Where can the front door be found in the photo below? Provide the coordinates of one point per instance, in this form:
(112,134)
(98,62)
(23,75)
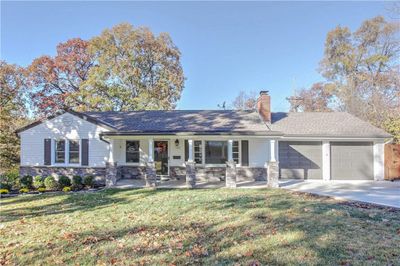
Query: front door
(161,157)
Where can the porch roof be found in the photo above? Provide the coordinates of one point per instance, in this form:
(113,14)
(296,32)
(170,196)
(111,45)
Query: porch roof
(198,133)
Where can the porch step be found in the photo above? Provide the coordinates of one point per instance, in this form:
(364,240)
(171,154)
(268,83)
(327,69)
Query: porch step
(163,178)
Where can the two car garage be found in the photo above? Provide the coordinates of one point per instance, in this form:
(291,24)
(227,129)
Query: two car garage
(348,160)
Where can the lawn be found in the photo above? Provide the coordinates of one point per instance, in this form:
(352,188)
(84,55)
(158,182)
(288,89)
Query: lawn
(204,226)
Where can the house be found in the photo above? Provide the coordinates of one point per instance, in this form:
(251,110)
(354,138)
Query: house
(204,144)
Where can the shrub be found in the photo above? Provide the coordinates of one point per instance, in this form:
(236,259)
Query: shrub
(38,182)
(64,181)
(67,189)
(4,191)
(24,190)
(5,185)
(88,181)
(9,179)
(51,183)
(26,181)
(41,189)
(76,182)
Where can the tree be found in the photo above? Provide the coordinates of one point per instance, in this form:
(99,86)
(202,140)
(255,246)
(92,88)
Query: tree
(364,67)
(134,70)
(54,83)
(245,101)
(11,110)
(392,126)
(363,73)
(318,98)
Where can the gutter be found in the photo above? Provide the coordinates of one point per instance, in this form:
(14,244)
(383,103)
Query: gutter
(204,133)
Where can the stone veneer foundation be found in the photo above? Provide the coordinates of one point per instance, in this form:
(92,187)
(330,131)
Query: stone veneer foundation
(99,173)
(131,172)
(204,174)
(209,174)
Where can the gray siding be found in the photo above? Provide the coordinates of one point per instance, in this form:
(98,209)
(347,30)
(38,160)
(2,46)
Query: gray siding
(300,159)
(352,161)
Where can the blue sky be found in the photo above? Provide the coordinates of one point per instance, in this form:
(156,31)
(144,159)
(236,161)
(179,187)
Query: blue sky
(226,46)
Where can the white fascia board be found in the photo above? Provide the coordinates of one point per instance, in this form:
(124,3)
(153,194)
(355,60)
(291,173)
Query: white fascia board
(195,137)
(332,138)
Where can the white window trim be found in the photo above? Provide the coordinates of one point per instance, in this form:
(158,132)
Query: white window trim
(66,154)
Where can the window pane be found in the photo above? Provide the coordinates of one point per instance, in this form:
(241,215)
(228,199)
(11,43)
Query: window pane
(74,157)
(235,151)
(60,145)
(73,145)
(132,151)
(73,151)
(60,151)
(197,152)
(236,157)
(216,152)
(60,157)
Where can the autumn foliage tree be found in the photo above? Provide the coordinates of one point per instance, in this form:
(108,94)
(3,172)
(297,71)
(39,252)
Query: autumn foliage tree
(317,98)
(123,69)
(363,66)
(134,70)
(54,82)
(12,111)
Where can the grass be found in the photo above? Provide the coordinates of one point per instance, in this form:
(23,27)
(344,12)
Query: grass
(221,226)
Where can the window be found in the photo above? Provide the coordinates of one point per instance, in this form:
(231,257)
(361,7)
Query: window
(132,151)
(198,153)
(216,152)
(235,151)
(74,151)
(60,151)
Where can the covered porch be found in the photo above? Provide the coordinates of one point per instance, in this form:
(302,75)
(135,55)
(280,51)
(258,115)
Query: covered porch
(190,160)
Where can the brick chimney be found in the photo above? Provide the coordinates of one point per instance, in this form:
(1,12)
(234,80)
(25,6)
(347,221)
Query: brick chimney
(264,106)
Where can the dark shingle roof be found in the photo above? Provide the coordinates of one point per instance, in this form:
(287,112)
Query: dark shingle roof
(330,124)
(184,121)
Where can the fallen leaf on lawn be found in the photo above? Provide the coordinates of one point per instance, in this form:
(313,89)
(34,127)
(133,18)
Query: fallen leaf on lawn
(248,253)
(69,236)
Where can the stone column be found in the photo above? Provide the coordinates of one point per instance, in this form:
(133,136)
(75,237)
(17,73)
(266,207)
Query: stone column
(230,177)
(190,174)
(150,176)
(111,174)
(273,174)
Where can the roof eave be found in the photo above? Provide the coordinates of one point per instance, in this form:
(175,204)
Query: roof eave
(385,136)
(191,133)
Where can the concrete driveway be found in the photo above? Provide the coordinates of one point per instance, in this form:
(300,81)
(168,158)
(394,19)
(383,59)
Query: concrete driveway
(378,192)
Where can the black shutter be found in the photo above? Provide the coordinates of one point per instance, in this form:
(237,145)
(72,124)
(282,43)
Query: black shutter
(47,151)
(186,150)
(85,152)
(245,153)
